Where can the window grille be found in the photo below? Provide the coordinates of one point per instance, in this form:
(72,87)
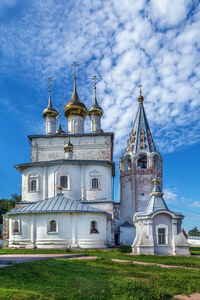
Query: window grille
(95,183)
(93,227)
(33,185)
(52,226)
(161,236)
(64,182)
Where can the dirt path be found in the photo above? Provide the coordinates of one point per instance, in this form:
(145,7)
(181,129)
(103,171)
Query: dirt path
(152,264)
(194,296)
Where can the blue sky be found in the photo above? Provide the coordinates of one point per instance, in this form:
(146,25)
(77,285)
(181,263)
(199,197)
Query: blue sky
(156,43)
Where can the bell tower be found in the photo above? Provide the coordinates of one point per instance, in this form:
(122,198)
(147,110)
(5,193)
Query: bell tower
(139,165)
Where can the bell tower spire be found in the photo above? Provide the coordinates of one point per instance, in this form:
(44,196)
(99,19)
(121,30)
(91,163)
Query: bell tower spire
(139,165)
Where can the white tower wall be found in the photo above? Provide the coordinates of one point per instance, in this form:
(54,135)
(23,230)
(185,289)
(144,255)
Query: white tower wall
(75,124)
(50,125)
(95,123)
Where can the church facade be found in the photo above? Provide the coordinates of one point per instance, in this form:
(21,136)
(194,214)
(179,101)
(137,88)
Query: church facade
(67,188)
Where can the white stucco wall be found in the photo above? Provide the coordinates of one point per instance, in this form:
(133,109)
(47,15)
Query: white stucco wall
(163,220)
(127,235)
(194,241)
(80,176)
(87,147)
(73,230)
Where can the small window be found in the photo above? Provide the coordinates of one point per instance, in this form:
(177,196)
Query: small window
(16,227)
(33,185)
(93,227)
(95,183)
(127,163)
(52,227)
(64,182)
(161,236)
(33,182)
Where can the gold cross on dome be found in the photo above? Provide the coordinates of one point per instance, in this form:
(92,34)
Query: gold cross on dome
(140,87)
(75,65)
(95,79)
(50,84)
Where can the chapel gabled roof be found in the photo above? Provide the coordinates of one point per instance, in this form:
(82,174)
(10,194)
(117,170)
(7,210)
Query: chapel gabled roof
(141,137)
(57,204)
(156,202)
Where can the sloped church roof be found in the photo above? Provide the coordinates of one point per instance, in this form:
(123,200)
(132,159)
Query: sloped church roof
(58,204)
(156,202)
(141,137)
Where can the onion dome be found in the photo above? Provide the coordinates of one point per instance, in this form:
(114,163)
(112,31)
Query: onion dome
(95,109)
(69,146)
(59,131)
(75,106)
(49,111)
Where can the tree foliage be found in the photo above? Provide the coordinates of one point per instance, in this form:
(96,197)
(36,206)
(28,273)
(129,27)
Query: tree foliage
(194,232)
(8,204)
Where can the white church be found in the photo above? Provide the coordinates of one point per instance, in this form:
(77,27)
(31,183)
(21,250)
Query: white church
(67,188)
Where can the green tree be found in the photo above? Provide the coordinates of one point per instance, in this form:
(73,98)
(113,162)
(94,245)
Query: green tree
(8,204)
(194,232)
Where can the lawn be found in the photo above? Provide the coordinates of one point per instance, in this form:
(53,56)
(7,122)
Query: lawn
(99,279)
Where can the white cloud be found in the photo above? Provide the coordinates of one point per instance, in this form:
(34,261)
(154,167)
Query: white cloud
(196,204)
(156,44)
(170,195)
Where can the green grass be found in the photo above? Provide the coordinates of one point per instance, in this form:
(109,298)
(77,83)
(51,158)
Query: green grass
(195,250)
(99,279)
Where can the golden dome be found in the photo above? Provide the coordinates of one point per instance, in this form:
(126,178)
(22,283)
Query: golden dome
(95,109)
(75,106)
(156,181)
(69,147)
(49,111)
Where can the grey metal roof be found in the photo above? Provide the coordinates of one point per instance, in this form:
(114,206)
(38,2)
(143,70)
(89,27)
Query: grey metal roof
(141,123)
(21,167)
(30,137)
(58,204)
(156,203)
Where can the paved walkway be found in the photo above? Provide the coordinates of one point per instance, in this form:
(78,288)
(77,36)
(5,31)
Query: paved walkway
(10,259)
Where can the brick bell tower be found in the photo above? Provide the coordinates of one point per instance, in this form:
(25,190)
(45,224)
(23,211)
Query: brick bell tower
(139,165)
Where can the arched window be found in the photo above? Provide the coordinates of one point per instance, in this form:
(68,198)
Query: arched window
(16,227)
(52,227)
(142,161)
(93,227)
(33,185)
(33,182)
(64,182)
(95,183)
(156,163)
(127,163)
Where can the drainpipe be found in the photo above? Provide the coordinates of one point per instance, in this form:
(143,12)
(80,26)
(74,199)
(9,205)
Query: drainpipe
(55,178)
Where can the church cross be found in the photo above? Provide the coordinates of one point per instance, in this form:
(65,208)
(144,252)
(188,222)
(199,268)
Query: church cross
(95,79)
(75,65)
(140,87)
(50,84)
